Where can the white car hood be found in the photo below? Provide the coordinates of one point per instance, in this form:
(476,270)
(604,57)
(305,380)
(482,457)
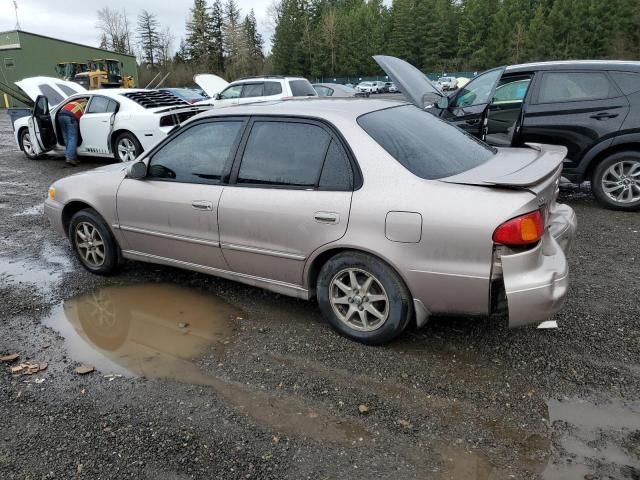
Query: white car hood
(55,89)
(211,84)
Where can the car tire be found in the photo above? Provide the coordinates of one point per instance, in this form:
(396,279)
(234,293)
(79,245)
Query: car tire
(126,147)
(26,145)
(363,298)
(618,175)
(93,242)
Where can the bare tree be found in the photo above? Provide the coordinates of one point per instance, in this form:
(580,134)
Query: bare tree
(329,36)
(165,41)
(114,28)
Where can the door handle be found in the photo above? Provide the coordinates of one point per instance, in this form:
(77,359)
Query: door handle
(326,217)
(604,116)
(202,205)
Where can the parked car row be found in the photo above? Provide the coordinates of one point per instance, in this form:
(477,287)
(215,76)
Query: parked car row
(376,87)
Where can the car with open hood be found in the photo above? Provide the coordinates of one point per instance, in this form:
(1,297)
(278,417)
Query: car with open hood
(590,107)
(120,123)
(382,212)
(252,89)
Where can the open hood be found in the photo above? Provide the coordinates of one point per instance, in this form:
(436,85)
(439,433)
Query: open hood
(55,89)
(211,84)
(412,82)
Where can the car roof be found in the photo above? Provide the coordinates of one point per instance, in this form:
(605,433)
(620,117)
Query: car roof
(576,65)
(330,108)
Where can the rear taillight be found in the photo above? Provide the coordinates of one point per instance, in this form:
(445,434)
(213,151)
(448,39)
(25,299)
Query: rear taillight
(523,230)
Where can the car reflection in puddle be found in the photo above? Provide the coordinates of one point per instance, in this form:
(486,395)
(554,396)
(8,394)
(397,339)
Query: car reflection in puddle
(148,330)
(159,331)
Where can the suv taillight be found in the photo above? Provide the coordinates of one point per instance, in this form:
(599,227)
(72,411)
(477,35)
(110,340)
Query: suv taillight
(523,230)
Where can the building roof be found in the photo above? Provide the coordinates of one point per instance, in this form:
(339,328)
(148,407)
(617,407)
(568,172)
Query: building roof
(65,41)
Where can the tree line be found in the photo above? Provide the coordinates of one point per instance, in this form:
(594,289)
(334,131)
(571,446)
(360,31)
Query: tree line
(338,37)
(219,39)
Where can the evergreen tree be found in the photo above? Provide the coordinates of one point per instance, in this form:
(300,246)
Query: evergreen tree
(216,45)
(148,36)
(198,40)
(254,43)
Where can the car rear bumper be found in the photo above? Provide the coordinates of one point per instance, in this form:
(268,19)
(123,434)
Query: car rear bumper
(536,280)
(53,211)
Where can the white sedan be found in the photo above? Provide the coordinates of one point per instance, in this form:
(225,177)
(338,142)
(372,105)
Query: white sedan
(120,123)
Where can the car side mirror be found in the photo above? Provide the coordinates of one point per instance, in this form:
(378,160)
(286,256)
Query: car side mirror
(218,96)
(137,170)
(443,102)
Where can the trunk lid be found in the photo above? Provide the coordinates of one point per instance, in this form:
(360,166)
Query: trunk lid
(412,82)
(55,89)
(518,168)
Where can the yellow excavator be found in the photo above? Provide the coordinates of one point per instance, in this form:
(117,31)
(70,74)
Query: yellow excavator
(103,73)
(68,70)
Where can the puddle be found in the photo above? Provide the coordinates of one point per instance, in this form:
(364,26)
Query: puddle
(601,440)
(135,331)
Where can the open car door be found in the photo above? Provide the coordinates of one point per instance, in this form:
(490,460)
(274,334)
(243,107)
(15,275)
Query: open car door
(412,82)
(468,107)
(43,137)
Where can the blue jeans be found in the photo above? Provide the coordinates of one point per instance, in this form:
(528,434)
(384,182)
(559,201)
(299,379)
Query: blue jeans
(69,126)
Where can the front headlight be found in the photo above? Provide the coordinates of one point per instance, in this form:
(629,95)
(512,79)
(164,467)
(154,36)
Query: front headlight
(52,193)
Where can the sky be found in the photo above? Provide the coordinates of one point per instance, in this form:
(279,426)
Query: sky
(75,20)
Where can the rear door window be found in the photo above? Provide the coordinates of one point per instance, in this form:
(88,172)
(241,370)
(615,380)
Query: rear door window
(251,90)
(301,88)
(284,153)
(100,104)
(272,88)
(425,145)
(557,87)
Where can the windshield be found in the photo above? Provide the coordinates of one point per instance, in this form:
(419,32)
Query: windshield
(425,145)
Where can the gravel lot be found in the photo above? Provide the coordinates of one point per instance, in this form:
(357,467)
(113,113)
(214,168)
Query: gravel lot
(199,377)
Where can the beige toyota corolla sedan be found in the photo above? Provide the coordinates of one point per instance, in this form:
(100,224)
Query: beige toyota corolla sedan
(381,211)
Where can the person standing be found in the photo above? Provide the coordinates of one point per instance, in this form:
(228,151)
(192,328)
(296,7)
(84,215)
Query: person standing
(69,117)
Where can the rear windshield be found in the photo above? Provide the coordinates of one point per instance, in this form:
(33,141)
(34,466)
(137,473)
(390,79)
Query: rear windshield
(425,145)
(302,88)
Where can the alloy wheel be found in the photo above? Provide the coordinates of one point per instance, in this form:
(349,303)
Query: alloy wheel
(621,181)
(27,145)
(89,244)
(359,300)
(126,149)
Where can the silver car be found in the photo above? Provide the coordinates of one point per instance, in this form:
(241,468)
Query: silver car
(382,212)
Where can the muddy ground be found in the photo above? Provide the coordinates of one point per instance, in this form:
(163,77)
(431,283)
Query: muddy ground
(198,377)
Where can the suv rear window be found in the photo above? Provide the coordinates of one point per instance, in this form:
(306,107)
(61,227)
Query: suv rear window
(302,88)
(574,86)
(272,88)
(424,144)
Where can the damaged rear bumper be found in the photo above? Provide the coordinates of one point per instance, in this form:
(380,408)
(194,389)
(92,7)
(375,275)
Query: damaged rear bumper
(536,280)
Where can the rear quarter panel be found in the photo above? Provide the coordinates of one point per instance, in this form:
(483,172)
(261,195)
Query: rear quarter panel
(450,267)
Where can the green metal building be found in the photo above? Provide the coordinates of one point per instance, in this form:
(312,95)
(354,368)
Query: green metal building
(24,54)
